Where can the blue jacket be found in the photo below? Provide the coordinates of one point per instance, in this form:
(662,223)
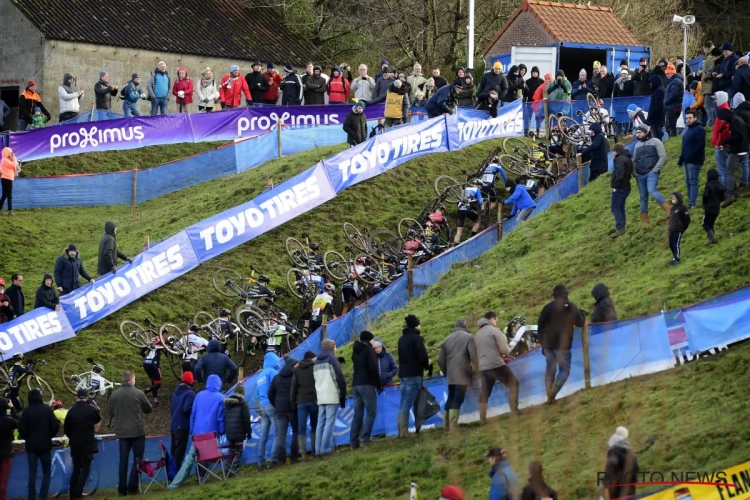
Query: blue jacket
(504,482)
(266,375)
(438,103)
(521,200)
(656,113)
(597,150)
(388,366)
(693,145)
(208,409)
(474,194)
(215,363)
(182,407)
(740,82)
(578,93)
(727,72)
(67,272)
(674,92)
(132,93)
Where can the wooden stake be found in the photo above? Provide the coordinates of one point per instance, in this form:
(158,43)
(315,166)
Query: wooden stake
(499,221)
(410,276)
(278,135)
(579,163)
(586,359)
(135,189)
(324,327)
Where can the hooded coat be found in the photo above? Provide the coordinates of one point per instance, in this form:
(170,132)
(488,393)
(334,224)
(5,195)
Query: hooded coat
(67,272)
(208,409)
(559,90)
(280,390)
(237,418)
(184,85)
(457,354)
(713,192)
(316,89)
(303,384)
(355,127)
(46,296)
(656,115)
(68,95)
(181,408)
(466,95)
(622,172)
(741,81)
(8,424)
(388,366)
(532,84)
(621,467)
(515,83)
(721,128)
(598,150)
(679,216)
(604,308)
(330,384)
(215,362)
(38,424)
(556,323)
(8,167)
(738,138)
(366,365)
(338,88)
(266,375)
(108,252)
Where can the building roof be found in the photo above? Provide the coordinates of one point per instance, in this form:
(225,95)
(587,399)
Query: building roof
(572,23)
(214,28)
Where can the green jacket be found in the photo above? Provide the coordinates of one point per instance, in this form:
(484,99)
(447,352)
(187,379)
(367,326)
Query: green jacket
(559,91)
(706,80)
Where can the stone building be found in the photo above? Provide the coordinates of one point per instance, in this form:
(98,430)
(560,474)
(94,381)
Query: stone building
(41,40)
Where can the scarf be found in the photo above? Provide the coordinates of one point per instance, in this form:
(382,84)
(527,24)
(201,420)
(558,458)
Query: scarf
(621,82)
(206,83)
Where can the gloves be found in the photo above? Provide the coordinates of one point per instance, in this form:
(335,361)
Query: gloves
(114,270)
(342,403)
(130,261)
(181,93)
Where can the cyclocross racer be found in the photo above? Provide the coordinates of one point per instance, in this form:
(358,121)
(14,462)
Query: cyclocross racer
(468,206)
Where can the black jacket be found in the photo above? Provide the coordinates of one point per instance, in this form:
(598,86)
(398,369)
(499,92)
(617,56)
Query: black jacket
(38,424)
(738,130)
(237,418)
(490,81)
(743,111)
(8,424)
(108,252)
(412,354)
(605,86)
(531,85)
(26,109)
(291,88)
(597,149)
(556,323)
(623,171)
(656,115)
(366,365)
(355,127)
(316,89)
(215,363)
(46,296)
(67,271)
(79,426)
(713,193)
(303,384)
(741,81)
(622,464)
(104,94)
(679,216)
(604,309)
(641,82)
(515,83)
(279,394)
(17,300)
(258,84)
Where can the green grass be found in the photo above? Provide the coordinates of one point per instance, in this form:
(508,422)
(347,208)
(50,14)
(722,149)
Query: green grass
(115,161)
(695,415)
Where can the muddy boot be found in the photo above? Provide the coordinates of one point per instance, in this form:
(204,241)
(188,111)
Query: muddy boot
(644,218)
(312,444)
(302,442)
(447,420)
(711,237)
(483,413)
(665,206)
(403,425)
(453,418)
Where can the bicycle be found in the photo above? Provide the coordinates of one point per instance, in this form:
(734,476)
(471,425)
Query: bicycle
(262,325)
(75,376)
(230,283)
(136,335)
(300,254)
(212,327)
(341,268)
(62,469)
(33,381)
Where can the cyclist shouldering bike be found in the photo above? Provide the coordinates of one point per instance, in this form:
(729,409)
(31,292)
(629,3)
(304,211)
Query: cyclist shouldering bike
(16,374)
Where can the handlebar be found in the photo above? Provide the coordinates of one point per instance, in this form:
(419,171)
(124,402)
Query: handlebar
(186,319)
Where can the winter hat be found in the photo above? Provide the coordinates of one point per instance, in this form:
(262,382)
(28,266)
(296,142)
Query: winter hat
(597,64)
(663,62)
(461,323)
(400,74)
(32,83)
(233,68)
(451,493)
(102,74)
(309,355)
(366,336)
(384,62)
(624,71)
(582,73)
(721,97)
(317,68)
(670,69)
(738,99)
(361,104)
(726,46)
(187,377)
(620,436)
(240,389)
(378,343)
(694,85)
(633,110)
(288,68)
(397,84)
(624,62)
(412,321)
(383,71)
(72,248)
(160,63)
(642,128)
(561,73)
(560,291)
(270,65)
(134,76)
(290,360)
(82,393)
(498,65)
(37,109)
(460,68)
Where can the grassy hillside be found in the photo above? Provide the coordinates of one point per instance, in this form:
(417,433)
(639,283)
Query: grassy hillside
(114,161)
(678,421)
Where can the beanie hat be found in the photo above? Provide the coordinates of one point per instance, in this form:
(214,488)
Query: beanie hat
(32,83)
(386,70)
(620,435)
(37,109)
(726,46)
(361,104)
(317,68)
(694,85)
(560,291)
(642,128)
(134,76)
(290,360)
(384,62)
(582,73)
(412,321)
(233,68)
(270,65)
(721,97)
(72,248)
(461,323)
(160,63)
(451,493)
(240,389)
(309,355)
(624,62)
(288,68)
(498,65)
(102,74)
(378,343)
(366,336)
(561,73)
(187,377)
(670,69)
(597,64)
(738,99)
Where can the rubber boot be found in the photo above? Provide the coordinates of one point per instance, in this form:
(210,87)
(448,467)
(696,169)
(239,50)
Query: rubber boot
(483,413)
(312,444)
(403,425)
(666,207)
(711,237)
(453,418)
(302,441)
(447,420)
(644,218)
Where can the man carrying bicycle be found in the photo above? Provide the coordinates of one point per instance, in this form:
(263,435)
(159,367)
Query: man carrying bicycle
(260,289)
(15,375)
(489,176)
(194,344)
(151,361)
(469,206)
(414,243)
(434,223)
(323,304)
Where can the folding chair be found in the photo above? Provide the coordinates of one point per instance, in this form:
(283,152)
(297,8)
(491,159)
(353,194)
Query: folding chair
(151,469)
(233,452)
(209,457)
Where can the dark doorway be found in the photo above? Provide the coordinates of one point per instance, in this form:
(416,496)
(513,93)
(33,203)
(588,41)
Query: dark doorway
(10,95)
(572,61)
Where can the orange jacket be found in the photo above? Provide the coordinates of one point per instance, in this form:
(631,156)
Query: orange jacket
(7,166)
(699,98)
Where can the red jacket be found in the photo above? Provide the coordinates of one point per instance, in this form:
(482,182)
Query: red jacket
(338,90)
(230,92)
(721,129)
(274,79)
(185,85)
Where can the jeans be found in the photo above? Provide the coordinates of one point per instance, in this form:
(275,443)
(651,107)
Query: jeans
(618,208)
(5,464)
(410,387)
(456,395)
(709,104)
(524,214)
(647,185)
(672,117)
(79,475)
(722,157)
(66,116)
(159,104)
(130,110)
(732,164)
(326,422)
(365,397)
(179,446)
(745,170)
(22,124)
(692,171)
(267,420)
(303,411)
(283,421)
(558,368)
(46,460)
(505,376)
(675,237)
(137,444)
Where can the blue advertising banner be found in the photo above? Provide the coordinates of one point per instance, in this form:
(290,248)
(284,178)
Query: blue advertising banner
(718,322)
(477,126)
(286,201)
(33,330)
(386,151)
(150,270)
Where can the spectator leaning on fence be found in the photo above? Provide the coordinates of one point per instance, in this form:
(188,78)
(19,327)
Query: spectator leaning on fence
(256,82)
(315,87)
(27,102)
(183,90)
(131,94)
(70,98)
(46,295)
(158,89)
(417,80)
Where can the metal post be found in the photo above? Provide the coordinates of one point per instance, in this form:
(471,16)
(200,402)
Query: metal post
(579,163)
(586,360)
(324,327)
(470,27)
(546,115)
(684,54)
(410,276)
(135,189)
(499,221)
(278,132)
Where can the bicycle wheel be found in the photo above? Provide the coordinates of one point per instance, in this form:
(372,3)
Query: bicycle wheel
(171,338)
(4,379)
(511,143)
(388,243)
(297,252)
(592,103)
(228,282)
(175,364)
(292,276)
(250,321)
(355,237)
(73,374)
(406,225)
(513,165)
(34,381)
(240,353)
(448,188)
(372,272)
(571,130)
(336,265)
(207,325)
(134,334)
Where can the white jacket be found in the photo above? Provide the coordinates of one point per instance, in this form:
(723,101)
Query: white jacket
(210,92)
(68,102)
(363,89)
